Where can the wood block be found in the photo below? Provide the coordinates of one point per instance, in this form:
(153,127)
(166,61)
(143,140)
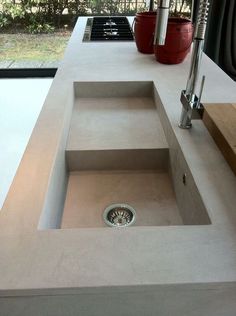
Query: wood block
(220,120)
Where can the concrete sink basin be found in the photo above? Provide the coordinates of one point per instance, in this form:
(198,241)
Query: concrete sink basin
(117,151)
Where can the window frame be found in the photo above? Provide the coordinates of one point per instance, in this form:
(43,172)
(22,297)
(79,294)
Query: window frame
(27,72)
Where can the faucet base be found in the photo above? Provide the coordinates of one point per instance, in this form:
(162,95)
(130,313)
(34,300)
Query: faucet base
(192,110)
(185,120)
(183,126)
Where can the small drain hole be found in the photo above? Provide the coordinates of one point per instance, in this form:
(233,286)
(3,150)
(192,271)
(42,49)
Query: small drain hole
(119,215)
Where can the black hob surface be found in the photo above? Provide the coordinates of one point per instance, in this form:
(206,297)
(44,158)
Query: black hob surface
(111,29)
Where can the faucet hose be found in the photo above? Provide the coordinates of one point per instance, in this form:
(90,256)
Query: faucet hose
(197,49)
(202,19)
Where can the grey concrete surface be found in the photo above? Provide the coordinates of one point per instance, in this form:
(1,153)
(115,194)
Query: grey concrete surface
(39,265)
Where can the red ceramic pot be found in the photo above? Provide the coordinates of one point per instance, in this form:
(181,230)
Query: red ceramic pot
(144,28)
(179,37)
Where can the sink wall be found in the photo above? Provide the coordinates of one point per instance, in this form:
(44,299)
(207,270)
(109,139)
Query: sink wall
(52,211)
(191,206)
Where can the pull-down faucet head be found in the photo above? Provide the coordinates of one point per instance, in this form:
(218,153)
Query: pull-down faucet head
(161,22)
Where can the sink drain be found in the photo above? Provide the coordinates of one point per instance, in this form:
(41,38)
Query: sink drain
(119,215)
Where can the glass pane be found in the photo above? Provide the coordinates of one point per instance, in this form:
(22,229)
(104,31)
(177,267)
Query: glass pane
(34,34)
(22,50)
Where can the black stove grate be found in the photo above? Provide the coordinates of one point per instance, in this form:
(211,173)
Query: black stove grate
(111,29)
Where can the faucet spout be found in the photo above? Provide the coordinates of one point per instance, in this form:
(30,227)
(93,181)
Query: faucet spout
(161,22)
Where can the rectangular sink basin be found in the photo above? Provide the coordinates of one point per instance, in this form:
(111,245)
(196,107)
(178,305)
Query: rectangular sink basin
(115,116)
(118,153)
(149,192)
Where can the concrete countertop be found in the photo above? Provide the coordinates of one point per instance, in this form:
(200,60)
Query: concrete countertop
(80,261)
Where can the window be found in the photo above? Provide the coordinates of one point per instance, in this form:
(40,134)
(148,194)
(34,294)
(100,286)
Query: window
(34,33)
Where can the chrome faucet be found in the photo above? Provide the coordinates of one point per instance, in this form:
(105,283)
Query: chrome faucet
(192,107)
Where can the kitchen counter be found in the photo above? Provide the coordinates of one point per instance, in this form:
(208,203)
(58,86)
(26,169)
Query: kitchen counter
(174,270)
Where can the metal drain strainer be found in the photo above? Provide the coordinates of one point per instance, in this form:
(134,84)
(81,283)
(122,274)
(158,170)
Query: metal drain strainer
(119,215)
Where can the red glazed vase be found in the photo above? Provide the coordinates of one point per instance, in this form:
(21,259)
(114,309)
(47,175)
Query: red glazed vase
(178,41)
(144,28)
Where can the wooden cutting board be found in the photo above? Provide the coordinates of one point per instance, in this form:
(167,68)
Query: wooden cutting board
(220,120)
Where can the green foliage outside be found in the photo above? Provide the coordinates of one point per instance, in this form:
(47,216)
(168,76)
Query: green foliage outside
(116,7)
(33,47)
(180,7)
(44,16)
(39,16)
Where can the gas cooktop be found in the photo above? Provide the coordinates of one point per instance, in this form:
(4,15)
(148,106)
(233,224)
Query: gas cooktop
(108,28)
